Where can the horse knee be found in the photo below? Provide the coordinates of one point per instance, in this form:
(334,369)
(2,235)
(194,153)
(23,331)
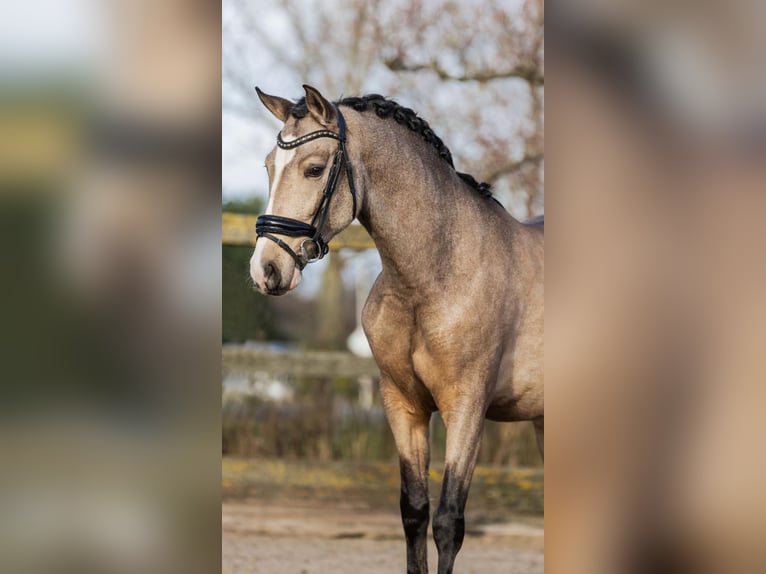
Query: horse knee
(415,515)
(449,529)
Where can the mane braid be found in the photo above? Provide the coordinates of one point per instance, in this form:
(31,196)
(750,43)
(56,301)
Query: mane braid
(406,117)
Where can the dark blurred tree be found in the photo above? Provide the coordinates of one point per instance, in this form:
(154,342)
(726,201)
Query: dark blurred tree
(252,205)
(331,328)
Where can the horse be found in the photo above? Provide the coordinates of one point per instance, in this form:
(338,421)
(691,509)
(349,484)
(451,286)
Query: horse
(455,318)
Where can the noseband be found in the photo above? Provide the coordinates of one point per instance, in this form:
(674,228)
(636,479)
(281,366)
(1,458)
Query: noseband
(268,225)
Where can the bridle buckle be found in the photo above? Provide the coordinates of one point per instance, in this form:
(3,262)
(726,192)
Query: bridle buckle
(304,252)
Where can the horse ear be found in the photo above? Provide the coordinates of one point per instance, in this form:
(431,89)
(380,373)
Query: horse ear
(319,108)
(280,107)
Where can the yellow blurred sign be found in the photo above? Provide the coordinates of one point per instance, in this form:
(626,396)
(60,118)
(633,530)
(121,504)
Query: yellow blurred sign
(37,143)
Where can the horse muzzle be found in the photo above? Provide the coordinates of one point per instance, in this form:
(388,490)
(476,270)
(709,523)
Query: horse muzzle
(273,276)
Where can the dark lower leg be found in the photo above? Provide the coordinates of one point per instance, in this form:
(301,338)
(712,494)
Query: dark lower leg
(415,515)
(463,436)
(449,521)
(410,430)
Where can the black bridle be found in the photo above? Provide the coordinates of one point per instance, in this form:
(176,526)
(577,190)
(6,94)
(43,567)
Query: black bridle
(268,225)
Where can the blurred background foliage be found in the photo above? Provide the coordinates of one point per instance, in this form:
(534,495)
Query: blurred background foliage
(245,316)
(323,424)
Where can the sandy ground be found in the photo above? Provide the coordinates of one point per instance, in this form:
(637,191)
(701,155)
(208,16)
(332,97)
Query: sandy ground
(302,538)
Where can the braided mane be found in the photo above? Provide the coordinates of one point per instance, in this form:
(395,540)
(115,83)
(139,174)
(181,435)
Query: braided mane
(406,117)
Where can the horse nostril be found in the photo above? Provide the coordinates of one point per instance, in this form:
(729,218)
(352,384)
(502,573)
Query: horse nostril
(272,275)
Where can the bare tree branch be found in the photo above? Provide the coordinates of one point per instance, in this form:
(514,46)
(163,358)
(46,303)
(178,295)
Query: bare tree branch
(340,49)
(523,71)
(510,167)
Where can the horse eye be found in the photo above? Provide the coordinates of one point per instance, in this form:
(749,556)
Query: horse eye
(314,171)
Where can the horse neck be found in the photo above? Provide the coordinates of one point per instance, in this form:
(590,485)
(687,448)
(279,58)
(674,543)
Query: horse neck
(415,204)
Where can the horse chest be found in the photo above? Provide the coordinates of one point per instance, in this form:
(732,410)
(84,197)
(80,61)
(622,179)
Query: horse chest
(431,353)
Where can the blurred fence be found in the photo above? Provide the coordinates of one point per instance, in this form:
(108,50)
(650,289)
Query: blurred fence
(325,406)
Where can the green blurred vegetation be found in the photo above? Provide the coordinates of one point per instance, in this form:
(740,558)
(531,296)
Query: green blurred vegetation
(248,206)
(324,422)
(246,315)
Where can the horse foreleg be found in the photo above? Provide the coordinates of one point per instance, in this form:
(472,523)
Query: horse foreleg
(464,428)
(410,429)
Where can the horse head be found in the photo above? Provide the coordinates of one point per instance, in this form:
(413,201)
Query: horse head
(312,195)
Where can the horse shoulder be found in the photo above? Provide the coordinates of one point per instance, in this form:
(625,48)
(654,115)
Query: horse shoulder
(388,322)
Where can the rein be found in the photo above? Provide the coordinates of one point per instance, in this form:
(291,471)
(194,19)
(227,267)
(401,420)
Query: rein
(269,225)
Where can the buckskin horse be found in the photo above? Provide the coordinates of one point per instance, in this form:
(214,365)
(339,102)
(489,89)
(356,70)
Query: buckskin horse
(455,318)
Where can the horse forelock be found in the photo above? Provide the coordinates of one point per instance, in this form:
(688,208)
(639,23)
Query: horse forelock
(404,116)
